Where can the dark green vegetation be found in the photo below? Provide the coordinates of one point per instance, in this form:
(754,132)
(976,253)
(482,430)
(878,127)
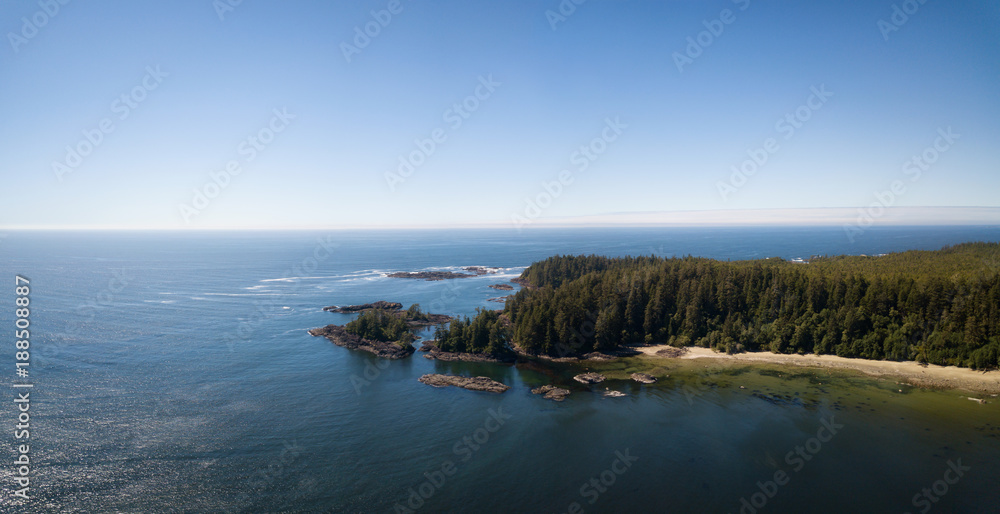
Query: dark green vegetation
(485,333)
(387,325)
(941,307)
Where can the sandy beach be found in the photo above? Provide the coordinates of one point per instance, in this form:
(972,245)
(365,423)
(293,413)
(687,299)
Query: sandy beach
(949,377)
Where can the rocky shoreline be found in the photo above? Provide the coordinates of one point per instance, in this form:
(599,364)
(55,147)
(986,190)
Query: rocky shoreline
(433,352)
(471,383)
(502,287)
(339,336)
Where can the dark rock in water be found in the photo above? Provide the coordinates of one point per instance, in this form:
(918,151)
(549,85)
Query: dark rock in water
(474,271)
(503,287)
(614,394)
(501,299)
(339,336)
(643,378)
(470,383)
(351,309)
(784,400)
(481,270)
(589,378)
(550,392)
(430,275)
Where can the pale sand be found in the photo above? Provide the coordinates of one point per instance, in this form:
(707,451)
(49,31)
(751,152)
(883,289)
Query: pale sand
(949,377)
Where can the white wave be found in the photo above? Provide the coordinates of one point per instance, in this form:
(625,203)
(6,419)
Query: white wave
(245,294)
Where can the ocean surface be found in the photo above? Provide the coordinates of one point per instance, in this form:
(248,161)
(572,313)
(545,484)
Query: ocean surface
(172,372)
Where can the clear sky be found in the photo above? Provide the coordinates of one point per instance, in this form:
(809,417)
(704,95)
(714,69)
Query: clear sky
(331,113)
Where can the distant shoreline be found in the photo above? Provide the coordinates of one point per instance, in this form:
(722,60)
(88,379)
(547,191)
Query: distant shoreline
(931,376)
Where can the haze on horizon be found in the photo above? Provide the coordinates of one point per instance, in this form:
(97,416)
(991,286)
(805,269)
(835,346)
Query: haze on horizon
(223,114)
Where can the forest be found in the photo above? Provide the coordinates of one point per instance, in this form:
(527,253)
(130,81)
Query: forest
(389,326)
(940,307)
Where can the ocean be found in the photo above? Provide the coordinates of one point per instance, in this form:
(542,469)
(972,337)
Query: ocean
(172,372)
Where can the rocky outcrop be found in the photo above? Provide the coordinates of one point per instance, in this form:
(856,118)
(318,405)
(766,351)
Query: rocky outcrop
(473,271)
(351,309)
(614,394)
(502,287)
(672,352)
(589,378)
(550,392)
(470,383)
(430,275)
(481,270)
(339,336)
(643,378)
(522,282)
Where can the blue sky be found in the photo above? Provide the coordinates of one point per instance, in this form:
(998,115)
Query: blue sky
(198,85)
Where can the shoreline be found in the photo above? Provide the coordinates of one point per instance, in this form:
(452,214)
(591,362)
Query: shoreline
(931,376)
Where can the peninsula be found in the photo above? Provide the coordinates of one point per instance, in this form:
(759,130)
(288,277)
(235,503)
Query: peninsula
(922,316)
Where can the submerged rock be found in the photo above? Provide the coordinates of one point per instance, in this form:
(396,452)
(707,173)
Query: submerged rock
(551,392)
(614,394)
(470,383)
(643,378)
(589,378)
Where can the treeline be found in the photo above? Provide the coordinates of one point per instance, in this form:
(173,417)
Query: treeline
(386,325)
(485,333)
(939,307)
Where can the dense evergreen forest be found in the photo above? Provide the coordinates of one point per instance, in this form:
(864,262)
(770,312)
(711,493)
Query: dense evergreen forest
(941,307)
(388,326)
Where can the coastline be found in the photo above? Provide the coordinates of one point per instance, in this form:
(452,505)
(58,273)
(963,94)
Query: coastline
(931,376)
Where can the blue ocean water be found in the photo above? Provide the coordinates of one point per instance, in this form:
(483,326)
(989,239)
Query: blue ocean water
(173,373)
